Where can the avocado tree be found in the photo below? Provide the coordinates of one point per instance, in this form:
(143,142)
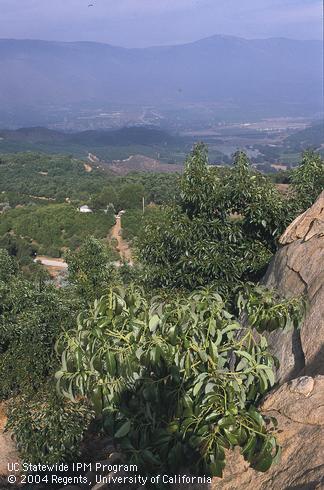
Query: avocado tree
(222,231)
(90,269)
(175,383)
(308,180)
(107,196)
(130,196)
(31,319)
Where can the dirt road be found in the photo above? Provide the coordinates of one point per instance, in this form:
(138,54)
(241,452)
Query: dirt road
(122,246)
(49,262)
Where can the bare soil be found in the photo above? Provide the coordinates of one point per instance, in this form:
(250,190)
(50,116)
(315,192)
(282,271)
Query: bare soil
(122,246)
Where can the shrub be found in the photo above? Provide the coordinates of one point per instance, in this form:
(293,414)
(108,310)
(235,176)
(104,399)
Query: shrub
(30,321)
(308,180)
(223,231)
(48,429)
(8,266)
(90,268)
(175,383)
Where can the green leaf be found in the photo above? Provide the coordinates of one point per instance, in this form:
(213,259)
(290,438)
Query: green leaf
(271,377)
(241,365)
(209,387)
(256,416)
(149,457)
(212,417)
(197,388)
(263,463)
(213,352)
(203,355)
(249,447)
(153,323)
(246,355)
(230,437)
(219,338)
(123,430)
(216,468)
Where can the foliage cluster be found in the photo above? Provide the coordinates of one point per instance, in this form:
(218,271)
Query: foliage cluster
(50,229)
(48,428)
(31,318)
(50,176)
(30,177)
(308,180)
(91,269)
(128,192)
(175,383)
(222,231)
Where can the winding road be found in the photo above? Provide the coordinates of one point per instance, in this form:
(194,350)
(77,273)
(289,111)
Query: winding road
(122,246)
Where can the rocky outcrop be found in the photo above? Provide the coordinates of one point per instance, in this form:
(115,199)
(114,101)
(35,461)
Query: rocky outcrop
(298,269)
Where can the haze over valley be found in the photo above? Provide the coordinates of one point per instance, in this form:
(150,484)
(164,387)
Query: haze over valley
(87,85)
(230,92)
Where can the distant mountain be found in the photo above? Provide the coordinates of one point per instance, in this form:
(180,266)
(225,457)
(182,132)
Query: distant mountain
(263,76)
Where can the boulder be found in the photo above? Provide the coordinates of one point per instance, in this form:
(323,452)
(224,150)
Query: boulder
(298,269)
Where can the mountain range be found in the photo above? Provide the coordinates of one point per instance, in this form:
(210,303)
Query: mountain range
(267,77)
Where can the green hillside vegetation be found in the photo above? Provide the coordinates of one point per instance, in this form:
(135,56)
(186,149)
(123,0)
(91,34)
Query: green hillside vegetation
(53,228)
(154,357)
(107,145)
(49,176)
(24,177)
(311,137)
(36,217)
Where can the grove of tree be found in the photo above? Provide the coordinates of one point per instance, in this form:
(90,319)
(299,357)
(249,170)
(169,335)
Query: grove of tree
(155,356)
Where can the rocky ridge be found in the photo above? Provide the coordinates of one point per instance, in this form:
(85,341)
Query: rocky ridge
(298,269)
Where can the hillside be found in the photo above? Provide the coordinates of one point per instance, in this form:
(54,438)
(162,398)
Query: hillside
(46,81)
(47,177)
(151,363)
(40,196)
(107,145)
(140,163)
(311,137)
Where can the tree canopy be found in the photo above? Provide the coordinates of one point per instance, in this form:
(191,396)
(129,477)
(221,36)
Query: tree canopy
(222,230)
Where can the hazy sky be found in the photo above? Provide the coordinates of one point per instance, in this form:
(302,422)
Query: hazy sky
(149,22)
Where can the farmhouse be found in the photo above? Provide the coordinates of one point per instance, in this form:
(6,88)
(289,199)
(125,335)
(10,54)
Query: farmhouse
(85,209)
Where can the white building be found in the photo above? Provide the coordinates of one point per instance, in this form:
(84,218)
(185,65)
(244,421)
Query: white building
(85,209)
